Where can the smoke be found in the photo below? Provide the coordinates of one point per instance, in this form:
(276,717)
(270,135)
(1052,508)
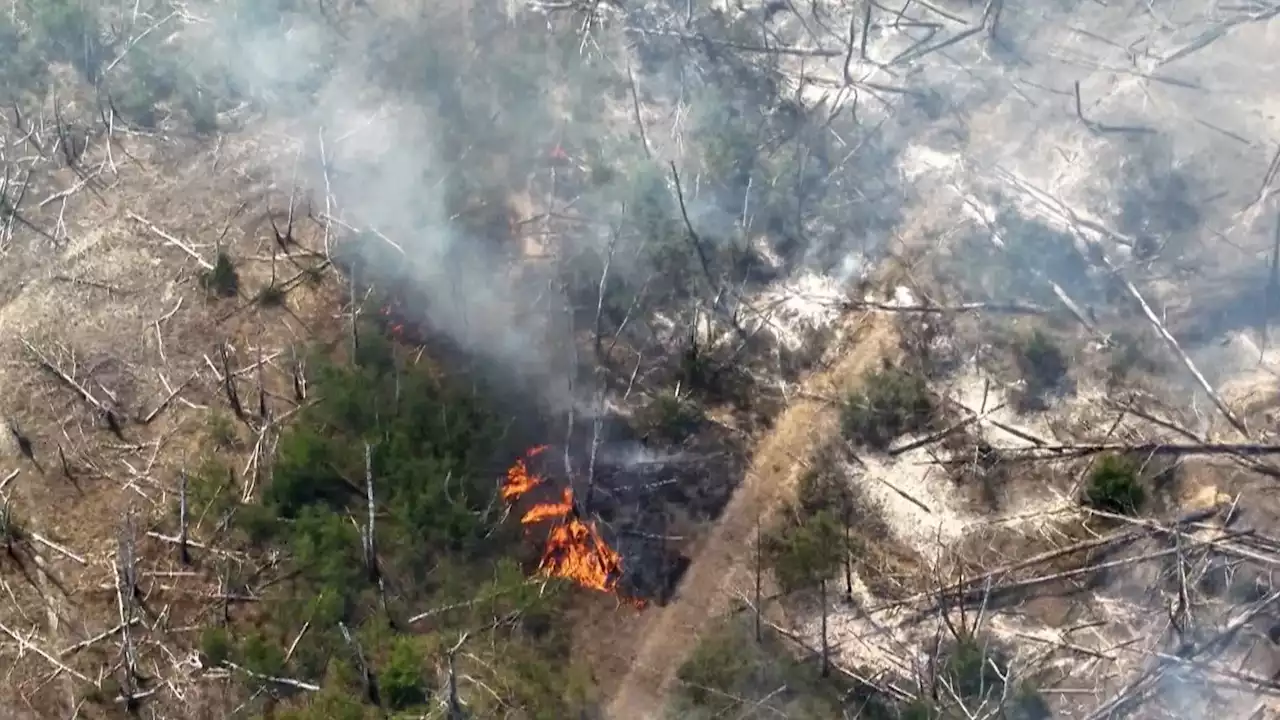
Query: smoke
(428,122)
(493,157)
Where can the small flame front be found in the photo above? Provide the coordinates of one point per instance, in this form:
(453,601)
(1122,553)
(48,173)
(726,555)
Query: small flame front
(574,549)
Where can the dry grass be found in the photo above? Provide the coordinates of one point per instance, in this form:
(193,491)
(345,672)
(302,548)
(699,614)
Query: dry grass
(122,312)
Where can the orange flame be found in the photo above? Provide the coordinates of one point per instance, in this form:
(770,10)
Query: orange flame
(574,550)
(519,480)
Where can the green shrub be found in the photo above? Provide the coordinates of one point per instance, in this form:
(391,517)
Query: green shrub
(890,403)
(259,654)
(258,524)
(977,670)
(804,551)
(341,697)
(223,279)
(671,418)
(1043,368)
(211,494)
(1126,357)
(305,475)
(974,667)
(271,296)
(215,646)
(720,664)
(401,679)
(1115,487)
(327,550)
(222,431)
(733,673)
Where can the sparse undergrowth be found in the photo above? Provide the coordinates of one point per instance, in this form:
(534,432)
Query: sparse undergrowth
(1127,359)
(888,404)
(1115,486)
(972,672)
(1042,367)
(222,279)
(271,296)
(670,418)
(734,672)
(730,673)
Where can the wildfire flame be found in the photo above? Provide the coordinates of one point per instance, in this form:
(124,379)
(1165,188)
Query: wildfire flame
(574,549)
(397,329)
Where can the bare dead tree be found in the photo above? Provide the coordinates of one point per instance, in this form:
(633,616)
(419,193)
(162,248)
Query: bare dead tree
(24,443)
(848,557)
(126,597)
(454,704)
(635,105)
(184,555)
(66,466)
(67,377)
(9,207)
(224,592)
(826,638)
(10,530)
(1124,702)
(229,383)
(263,413)
(600,293)
(714,287)
(597,423)
(571,415)
(370,551)
(366,672)
(285,239)
(848,57)
(694,240)
(866,28)
(759,562)
(299,376)
(1270,296)
(29,134)
(72,147)
(355,312)
(369,538)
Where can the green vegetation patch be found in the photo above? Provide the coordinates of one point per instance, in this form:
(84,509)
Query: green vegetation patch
(671,418)
(222,279)
(731,674)
(1115,486)
(444,565)
(972,671)
(889,403)
(1042,366)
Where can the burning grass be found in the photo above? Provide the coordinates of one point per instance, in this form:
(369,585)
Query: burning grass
(574,549)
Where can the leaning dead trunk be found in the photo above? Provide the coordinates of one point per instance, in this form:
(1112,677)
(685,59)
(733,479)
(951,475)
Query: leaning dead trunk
(848,564)
(759,561)
(184,555)
(826,646)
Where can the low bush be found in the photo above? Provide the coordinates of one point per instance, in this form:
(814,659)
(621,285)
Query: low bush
(1115,487)
(223,279)
(890,403)
(1043,368)
(671,418)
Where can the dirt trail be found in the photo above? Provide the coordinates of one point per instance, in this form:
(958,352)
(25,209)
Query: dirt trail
(721,566)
